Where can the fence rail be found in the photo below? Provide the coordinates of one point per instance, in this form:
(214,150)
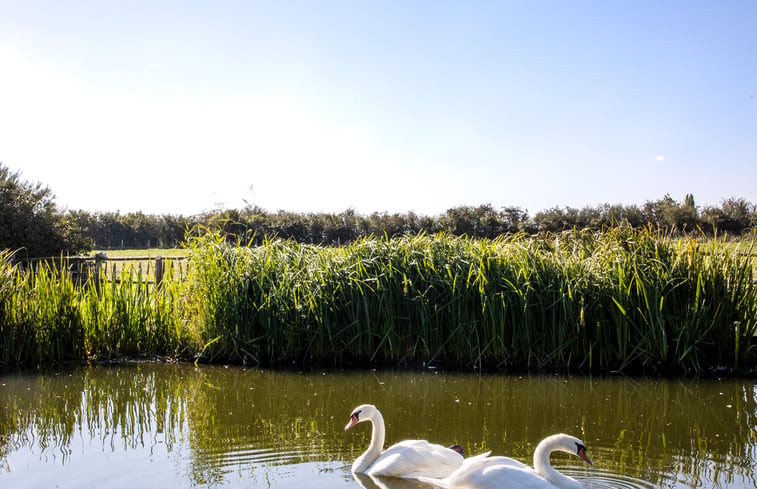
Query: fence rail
(111,268)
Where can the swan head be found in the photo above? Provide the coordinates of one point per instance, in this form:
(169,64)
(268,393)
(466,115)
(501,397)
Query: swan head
(572,445)
(363,412)
(459,449)
(581,452)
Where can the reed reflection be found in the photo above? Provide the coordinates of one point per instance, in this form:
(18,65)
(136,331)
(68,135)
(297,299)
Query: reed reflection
(121,407)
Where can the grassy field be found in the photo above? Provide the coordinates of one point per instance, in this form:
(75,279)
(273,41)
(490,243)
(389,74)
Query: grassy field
(141,261)
(633,301)
(746,245)
(143,252)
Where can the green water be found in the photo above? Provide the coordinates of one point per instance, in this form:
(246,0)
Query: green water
(153,425)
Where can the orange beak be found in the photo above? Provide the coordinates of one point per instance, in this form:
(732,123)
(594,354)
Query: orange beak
(582,454)
(353,422)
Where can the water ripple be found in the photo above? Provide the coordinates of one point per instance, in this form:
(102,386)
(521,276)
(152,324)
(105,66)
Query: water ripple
(254,456)
(601,479)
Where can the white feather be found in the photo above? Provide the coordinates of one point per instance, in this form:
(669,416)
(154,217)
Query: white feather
(499,472)
(407,459)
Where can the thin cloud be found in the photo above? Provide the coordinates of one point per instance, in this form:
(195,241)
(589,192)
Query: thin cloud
(660,157)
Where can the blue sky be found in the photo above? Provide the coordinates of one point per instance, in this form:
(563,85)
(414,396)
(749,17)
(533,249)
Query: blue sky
(183,107)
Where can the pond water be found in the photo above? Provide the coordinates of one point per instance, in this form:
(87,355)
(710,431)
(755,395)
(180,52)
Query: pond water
(158,425)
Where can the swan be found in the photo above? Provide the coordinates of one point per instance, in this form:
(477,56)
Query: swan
(495,472)
(406,459)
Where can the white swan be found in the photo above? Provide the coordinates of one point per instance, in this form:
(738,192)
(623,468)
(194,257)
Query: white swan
(495,472)
(407,459)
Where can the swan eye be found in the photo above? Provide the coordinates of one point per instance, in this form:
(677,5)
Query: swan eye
(580,448)
(356,415)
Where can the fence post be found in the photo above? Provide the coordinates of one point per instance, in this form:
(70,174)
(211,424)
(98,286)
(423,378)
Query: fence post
(100,259)
(158,271)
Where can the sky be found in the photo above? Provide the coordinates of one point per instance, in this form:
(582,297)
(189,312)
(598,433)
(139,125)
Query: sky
(184,107)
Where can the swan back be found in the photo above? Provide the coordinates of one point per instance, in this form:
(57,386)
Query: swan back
(416,458)
(482,472)
(471,466)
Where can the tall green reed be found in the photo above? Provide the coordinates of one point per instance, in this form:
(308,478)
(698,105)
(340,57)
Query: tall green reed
(46,316)
(132,316)
(619,299)
(39,320)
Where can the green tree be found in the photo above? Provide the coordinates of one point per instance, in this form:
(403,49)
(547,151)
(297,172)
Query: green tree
(735,215)
(669,214)
(555,219)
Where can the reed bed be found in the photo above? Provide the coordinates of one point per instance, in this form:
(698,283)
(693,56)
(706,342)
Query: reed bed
(47,317)
(621,300)
(614,300)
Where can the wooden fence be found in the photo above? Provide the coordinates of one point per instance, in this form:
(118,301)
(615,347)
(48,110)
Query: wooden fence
(150,269)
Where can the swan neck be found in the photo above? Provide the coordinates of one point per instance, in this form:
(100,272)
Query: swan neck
(544,468)
(374,449)
(378,433)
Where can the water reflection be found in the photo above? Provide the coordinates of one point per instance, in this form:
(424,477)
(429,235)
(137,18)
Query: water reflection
(213,426)
(371,482)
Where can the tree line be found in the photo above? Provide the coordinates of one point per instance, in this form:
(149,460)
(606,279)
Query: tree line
(31,222)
